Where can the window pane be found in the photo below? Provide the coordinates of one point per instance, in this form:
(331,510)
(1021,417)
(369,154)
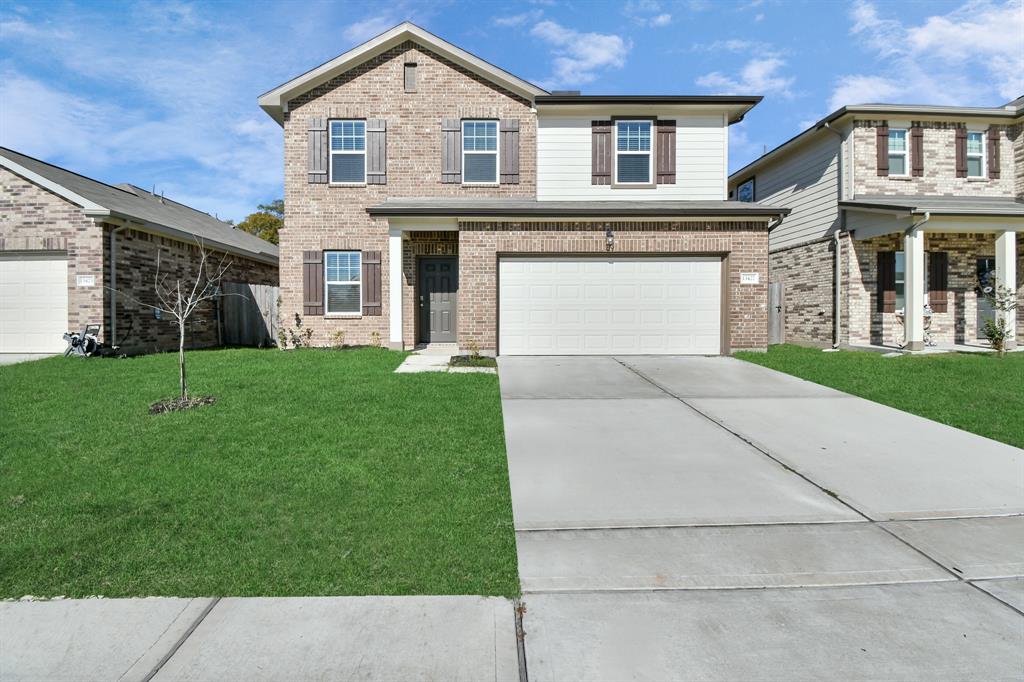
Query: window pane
(343,298)
(634,168)
(481,168)
(900,281)
(348,167)
(897,140)
(633,136)
(480,136)
(974,166)
(349,136)
(898,165)
(342,266)
(974,143)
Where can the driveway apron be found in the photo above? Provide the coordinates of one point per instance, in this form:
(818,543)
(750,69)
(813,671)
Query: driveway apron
(705,518)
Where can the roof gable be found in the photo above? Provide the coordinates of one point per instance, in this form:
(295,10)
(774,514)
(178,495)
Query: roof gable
(275,102)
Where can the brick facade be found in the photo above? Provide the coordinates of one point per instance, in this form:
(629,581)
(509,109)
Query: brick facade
(939,141)
(745,246)
(33,219)
(807,273)
(322,216)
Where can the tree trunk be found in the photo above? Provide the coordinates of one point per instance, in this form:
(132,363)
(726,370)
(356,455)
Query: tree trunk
(181,359)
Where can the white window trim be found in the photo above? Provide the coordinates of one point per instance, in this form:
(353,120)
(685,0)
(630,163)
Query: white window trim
(332,152)
(905,153)
(359,284)
(496,152)
(651,180)
(983,155)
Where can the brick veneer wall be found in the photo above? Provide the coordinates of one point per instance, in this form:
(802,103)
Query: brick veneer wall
(35,219)
(1016,133)
(939,165)
(807,272)
(321,216)
(481,243)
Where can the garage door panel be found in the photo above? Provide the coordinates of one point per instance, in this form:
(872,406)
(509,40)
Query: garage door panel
(33,303)
(609,305)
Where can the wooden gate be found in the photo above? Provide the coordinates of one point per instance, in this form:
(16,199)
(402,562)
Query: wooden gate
(776,313)
(248,314)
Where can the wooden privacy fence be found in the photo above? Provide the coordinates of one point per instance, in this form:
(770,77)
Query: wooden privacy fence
(248,314)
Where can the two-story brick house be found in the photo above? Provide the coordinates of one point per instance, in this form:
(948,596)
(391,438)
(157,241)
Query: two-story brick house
(901,215)
(435,198)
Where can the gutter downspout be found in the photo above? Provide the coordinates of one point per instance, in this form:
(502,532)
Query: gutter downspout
(837,274)
(113,282)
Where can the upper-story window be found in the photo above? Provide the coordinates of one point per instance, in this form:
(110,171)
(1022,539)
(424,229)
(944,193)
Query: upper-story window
(633,159)
(898,152)
(975,155)
(480,152)
(348,152)
(745,191)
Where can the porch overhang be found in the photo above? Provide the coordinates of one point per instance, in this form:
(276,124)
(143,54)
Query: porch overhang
(939,214)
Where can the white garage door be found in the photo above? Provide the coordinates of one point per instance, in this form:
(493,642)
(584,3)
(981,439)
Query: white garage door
(33,303)
(595,306)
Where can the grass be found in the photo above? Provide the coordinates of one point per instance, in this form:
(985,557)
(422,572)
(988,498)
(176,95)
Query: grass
(314,473)
(977,392)
(470,361)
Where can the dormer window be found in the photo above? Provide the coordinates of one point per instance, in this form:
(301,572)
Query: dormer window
(975,154)
(898,152)
(634,163)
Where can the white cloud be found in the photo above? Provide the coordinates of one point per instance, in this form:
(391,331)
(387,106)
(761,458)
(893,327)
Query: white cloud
(361,31)
(736,45)
(578,57)
(646,13)
(519,19)
(758,76)
(662,20)
(971,55)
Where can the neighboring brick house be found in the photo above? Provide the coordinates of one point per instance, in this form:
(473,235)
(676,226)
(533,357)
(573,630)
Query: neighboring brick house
(58,231)
(895,208)
(435,198)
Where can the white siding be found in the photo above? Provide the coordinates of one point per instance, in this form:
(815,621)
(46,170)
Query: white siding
(563,161)
(807,181)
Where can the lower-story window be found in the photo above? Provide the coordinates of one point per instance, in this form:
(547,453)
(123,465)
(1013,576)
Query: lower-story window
(342,282)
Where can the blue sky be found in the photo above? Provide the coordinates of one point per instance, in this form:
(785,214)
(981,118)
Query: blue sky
(164,93)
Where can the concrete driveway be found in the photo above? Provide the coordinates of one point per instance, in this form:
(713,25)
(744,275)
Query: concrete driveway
(650,495)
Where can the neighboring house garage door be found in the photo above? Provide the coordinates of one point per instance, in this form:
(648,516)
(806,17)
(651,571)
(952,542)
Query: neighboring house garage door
(605,305)
(33,303)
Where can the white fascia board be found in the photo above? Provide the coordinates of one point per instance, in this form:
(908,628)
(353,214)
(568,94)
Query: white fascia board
(91,207)
(275,101)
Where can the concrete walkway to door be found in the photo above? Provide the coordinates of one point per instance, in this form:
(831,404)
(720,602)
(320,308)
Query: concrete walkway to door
(649,494)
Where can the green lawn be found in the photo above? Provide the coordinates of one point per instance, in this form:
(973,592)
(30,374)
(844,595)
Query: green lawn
(977,392)
(314,473)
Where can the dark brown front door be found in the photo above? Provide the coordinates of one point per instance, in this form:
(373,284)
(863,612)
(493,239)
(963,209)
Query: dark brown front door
(438,295)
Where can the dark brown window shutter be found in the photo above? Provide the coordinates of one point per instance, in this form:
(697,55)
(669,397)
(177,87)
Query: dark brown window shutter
(451,150)
(317,143)
(509,137)
(600,152)
(882,150)
(886,281)
(961,152)
(665,152)
(917,151)
(376,151)
(938,280)
(993,153)
(312,282)
(371,283)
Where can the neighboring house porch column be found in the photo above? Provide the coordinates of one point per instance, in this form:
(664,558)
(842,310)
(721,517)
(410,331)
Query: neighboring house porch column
(1006,276)
(395,289)
(913,290)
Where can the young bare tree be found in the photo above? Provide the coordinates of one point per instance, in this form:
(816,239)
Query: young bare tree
(179,298)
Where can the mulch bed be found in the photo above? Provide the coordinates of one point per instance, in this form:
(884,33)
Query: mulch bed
(470,361)
(179,404)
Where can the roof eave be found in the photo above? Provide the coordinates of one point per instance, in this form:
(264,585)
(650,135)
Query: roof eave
(740,104)
(190,237)
(583,212)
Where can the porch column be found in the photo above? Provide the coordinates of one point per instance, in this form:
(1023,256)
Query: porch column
(913,289)
(395,289)
(1006,276)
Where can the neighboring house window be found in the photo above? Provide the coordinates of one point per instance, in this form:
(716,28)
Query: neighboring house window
(348,152)
(898,152)
(342,282)
(633,158)
(745,192)
(975,155)
(480,152)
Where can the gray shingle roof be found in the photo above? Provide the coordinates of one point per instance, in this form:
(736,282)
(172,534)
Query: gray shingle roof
(939,205)
(129,201)
(477,207)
